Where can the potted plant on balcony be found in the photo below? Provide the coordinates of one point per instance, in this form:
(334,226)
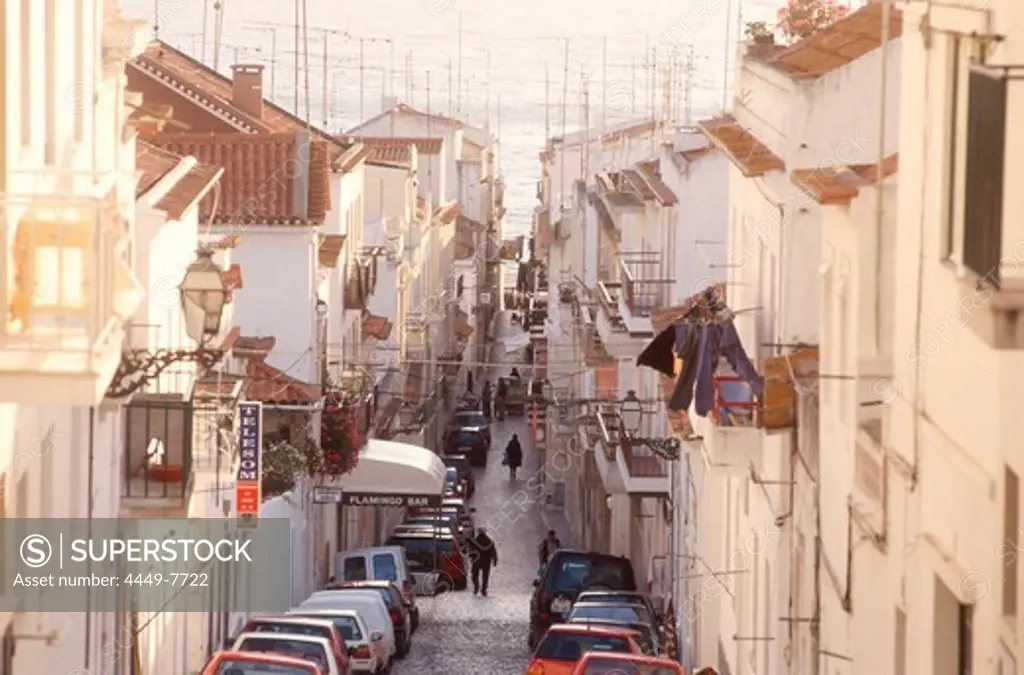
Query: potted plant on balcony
(760,37)
(157,466)
(340,441)
(799,19)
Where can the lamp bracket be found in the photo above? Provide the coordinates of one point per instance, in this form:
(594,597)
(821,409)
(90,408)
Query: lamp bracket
(139,366)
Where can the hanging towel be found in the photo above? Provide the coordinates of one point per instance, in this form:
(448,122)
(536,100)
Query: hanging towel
(688,338)
(658,354)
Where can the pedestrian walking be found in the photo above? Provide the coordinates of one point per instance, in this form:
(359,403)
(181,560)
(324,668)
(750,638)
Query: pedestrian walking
(484,556)
(485,400)
(547,547)
(513,456)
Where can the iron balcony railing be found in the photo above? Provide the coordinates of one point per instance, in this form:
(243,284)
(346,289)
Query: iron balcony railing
(641,461)
(643,294)
(157,462)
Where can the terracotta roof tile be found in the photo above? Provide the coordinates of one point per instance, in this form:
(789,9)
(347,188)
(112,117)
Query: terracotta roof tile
(331,246)
(750,155)
(424,146)
(378,327)
(837,45)
(351,158)
(839,185)
(209,88)
(651,173)
(391,155)
(155,163)
(259,180)
(268,384)
(252,347)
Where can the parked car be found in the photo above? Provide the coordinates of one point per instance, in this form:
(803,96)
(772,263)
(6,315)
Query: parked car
(369,605)
(379,563)
(473,420)
(438,527)
(564,645)
(453,484)
(597,663)
(461,462)
(317,650)
(298,625)
(369,653)
(448,505)
(447,522)
(567,574)
(437,557)
(256,663)
(467,442)
(616,612)
(401,617)
(646,634)
(620,598)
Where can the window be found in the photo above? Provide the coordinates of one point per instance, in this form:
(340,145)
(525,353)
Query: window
(26,72)
(1011,540)
(384,567)
(984,165)
(354,569)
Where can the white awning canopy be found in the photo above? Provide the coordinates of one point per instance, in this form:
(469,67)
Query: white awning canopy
(392,468)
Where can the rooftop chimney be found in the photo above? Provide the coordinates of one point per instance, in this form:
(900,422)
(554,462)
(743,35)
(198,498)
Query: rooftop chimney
(247,89)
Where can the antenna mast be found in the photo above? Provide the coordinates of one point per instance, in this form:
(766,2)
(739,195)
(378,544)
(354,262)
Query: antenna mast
(458,78)
(547,106)
(327,85)
(604,77)
(565,100)
(305,62)
(298,48)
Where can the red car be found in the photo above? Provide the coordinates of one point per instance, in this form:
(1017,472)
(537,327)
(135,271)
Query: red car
(596,663)
(256,662)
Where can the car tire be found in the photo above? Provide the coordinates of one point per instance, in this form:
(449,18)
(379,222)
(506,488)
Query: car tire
(415,620)
(444,584)
(461,584)
(402,648)
(531,641)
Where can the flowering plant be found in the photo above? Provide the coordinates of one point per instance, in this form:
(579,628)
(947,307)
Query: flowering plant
(339,441)
(281,462)
(799,19)
(757,31)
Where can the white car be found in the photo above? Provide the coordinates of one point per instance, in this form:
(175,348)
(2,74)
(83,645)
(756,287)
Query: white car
(315,649)
(370,606)
(367,651)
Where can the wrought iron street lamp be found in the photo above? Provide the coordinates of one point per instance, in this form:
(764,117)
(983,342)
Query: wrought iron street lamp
(631,414)
(204,294)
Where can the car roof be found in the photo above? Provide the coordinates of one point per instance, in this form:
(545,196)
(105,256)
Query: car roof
(637,595)
(565,552)
(455,458)
(584,603)
(368,583)
(587,627)
(305,611)
(630,658)
(264,657)
(605,621)
(349,592)
(421,534)
(300,620)
(372,550)
(292,637)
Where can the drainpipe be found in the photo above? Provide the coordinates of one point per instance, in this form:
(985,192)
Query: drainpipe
(880,177)
(90,500)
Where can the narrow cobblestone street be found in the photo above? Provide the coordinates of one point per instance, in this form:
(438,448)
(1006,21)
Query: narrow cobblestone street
(463,634)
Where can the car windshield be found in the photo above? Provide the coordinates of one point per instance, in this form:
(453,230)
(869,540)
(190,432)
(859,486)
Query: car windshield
(309,651)
(385,567)
(617,612)
(451,477)
(459,464)
(349,627)
(470,418)
(251,667)
(607,665)
(571,646)
(576,572)
(291,628)
(421,551)
(466,438)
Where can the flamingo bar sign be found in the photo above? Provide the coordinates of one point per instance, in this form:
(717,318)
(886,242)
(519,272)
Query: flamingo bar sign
(250,450)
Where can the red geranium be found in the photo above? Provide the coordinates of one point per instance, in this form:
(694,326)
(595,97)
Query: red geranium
(799,19)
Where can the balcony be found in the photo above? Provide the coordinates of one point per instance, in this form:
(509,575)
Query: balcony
(360,282)
(69,293)
(643,291)
(732,432)
(415,332)
(606,451)
(643,471)
(612,327)
(157,464)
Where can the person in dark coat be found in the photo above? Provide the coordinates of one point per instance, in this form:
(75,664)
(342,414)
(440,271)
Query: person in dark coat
(485,399)
(484,556)
(514,455)
(550,544)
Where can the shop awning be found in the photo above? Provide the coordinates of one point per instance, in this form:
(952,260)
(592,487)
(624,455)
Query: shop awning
(394,474)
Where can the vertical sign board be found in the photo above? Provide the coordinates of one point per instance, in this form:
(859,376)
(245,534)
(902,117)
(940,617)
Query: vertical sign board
(250,451)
